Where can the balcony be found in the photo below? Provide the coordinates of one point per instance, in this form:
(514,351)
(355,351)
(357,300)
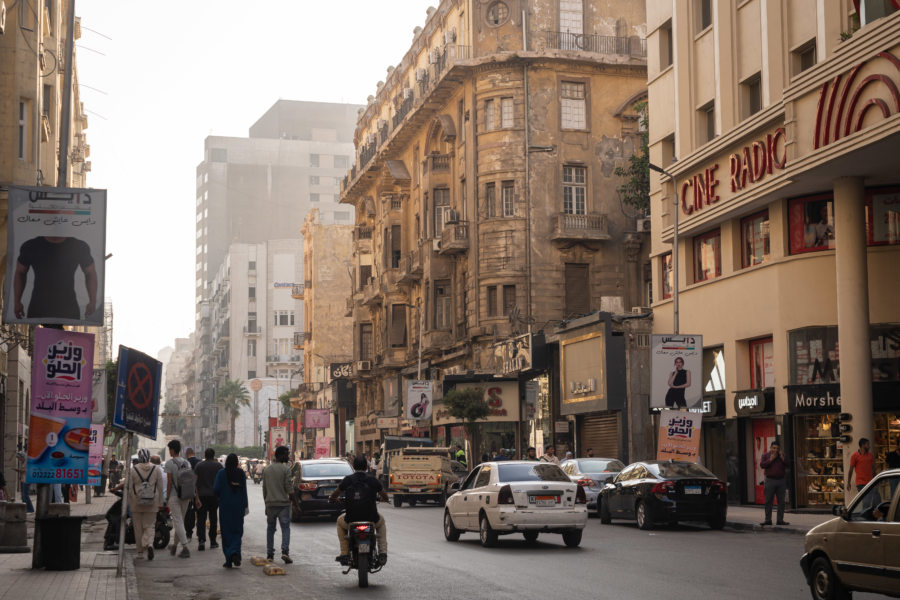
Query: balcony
(297,291)
(350,305)
(583,228)
(411,267)
(300,338)
(362,232)
(455,238)
(283,359)
(372,293)
(436,163)
(597,44)
(252,330)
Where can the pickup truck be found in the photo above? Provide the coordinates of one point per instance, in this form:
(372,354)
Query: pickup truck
(421,474)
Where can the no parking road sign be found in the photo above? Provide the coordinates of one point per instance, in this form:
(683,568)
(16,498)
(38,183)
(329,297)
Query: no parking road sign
(137,392)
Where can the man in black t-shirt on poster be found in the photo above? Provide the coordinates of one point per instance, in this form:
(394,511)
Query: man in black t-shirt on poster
(366,486)
(54,261)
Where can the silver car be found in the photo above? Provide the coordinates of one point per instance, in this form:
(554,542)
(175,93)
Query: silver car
(591,474)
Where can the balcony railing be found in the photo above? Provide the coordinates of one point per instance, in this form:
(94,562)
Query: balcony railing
(599,44)
(455,238)
(366,153)
(283,358)
(581,227)
(437,163)
(362,233)
(300,338)
(403,110)
(297,291)
(252,330)
(371,293)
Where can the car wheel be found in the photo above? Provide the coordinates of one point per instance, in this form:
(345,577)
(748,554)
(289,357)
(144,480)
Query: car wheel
(398,501)
(451,533)
(572,539)
(824,584)
(642,515)
(530,536)
(717,521)
(412,502)
(486,533)
(295,515)
(443,499)
(605,517)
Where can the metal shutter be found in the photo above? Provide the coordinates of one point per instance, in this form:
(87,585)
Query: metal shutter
(600,433)
(578,296)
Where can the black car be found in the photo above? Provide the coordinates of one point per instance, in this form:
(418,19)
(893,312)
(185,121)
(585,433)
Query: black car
(656,491)
(314,482)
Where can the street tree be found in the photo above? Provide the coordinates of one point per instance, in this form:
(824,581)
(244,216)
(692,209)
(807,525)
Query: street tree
(469,406)
(233,396)
(635,189)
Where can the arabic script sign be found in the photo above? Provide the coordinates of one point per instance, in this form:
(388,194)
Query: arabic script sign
(60,422)
(679,435)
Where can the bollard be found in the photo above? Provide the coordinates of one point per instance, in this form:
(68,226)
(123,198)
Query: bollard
(14,536)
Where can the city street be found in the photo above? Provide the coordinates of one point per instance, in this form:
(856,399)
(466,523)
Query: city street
(615,561)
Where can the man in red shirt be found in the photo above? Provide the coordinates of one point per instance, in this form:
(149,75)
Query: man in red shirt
(863,462)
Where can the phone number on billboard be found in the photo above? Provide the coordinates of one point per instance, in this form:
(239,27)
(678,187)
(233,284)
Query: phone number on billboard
(58,474)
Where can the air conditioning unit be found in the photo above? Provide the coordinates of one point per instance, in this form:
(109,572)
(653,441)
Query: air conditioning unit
(643,224)
(639,310)
(450,36)
(372,138)
(364,365)
(452,216)
(420,74)
(437,245)
(407,93)
(433,56)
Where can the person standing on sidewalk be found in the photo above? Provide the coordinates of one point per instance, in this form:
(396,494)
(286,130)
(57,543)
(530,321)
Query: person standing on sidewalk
(176,498)
(231,488)
(206,472)
(24,487)
(190,518)
(863,462)
(145,478)
(114,471)
(278,494)
(775,466)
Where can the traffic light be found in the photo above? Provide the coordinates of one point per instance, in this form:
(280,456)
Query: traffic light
(845,427)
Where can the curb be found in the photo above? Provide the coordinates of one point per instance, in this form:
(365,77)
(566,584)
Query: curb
(741,526)
(131,586)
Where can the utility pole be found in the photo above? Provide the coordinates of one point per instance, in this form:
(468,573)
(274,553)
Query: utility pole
(66,123)
(674,246)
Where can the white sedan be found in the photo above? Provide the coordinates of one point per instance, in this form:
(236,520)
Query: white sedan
(526,497)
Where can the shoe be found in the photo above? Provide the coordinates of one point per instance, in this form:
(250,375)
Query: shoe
(344,559)
(213,545)
(201,547)
(286,558)
(236,559)
(764,523)
(150,552)
(227,564)
(782,523)
(270,557)
(173,549)
(189,536)
(185,553)
(382,558)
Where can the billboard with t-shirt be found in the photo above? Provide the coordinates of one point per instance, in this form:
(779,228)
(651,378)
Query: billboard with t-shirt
(56,246)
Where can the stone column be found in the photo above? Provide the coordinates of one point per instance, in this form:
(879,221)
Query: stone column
(852,279)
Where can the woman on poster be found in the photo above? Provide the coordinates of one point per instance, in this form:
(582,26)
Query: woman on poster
(679,380)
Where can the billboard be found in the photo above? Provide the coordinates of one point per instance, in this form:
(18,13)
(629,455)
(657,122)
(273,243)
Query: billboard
(59,428)
(513,355)
(137,392)
(676,371)
(98,396)
(323,446)
(55,256)
(278,437)
(679,435)
(95,455)
(419,397)
(317,418)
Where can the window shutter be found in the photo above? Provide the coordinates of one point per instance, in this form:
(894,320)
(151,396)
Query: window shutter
(578,296)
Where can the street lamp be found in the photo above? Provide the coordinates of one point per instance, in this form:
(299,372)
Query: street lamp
(421,328)
(674,245)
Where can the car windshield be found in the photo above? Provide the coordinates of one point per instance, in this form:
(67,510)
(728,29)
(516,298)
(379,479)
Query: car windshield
(679,469)
(534,472)
(598,465)
(335,469)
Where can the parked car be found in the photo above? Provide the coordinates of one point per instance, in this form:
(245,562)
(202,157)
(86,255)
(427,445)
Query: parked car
(860,548)
(654,491)
(499,498)
(314,481)
(591,474)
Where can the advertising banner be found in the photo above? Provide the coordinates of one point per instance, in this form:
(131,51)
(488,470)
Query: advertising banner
(387,422)
(60,422)
(137,392)
(513,355)
(419,396)
(278,437)
(55,256)
(317,418)
(98,396)
(676,367)
(95,455)
(323,446)
(679,435)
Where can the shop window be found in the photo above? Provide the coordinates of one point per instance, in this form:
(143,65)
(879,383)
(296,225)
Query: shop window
(811,224)
(814,356)
(884,341)
(883,216)
(762,364)
(820,465)
(668,276)
(755,239)
(707,256)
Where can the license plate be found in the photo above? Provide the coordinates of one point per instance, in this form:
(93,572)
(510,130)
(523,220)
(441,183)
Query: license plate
(693,489)
(363,547)
(417,489)
(546,500)
(327,490)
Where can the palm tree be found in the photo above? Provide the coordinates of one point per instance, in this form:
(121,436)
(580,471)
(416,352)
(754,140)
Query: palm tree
(232,396)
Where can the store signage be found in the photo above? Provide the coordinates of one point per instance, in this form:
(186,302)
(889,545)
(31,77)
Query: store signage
(502,398)
(513,355)
(366,428)
(679,435)
(814,398)
(749,165)
(562,427)
(712,406)
(282,284)
(750,402)
(584,374)
(387,422)
(341,370)
(317,418)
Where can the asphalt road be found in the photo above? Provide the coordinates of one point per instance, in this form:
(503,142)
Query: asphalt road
(614,561)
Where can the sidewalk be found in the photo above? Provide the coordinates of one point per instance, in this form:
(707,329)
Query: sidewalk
(748,518)
(95,579)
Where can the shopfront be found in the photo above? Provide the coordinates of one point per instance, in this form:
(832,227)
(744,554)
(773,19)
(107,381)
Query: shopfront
(757,429)
(499,430)
(367,435)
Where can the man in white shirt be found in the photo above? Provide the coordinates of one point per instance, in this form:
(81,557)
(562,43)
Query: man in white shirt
(178,506)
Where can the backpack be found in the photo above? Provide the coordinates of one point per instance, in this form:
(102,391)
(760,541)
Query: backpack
(359,497)
(146,492)
(185,480)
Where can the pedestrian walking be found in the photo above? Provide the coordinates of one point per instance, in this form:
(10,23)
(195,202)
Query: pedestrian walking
(863,462)
(278,494)
(180,489)
(190,517)
(531,454)
(145,497)
(24,487)
(775,466)
(115,469)
(231,488)
(550,455)
(893,462)
(206,471)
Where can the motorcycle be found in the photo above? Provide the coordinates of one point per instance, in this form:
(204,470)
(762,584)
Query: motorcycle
(363,550)
(161,535)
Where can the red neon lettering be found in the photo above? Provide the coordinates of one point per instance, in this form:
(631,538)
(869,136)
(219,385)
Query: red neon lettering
(711,183)
(685,207)
(699,192)
(773,149)
(759,160)
(735,163)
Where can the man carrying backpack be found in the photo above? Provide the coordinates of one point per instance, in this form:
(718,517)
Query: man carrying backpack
(144,499)
(181,489)
(361,492)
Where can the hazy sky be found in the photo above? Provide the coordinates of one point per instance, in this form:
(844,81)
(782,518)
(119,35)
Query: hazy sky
(167,75)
